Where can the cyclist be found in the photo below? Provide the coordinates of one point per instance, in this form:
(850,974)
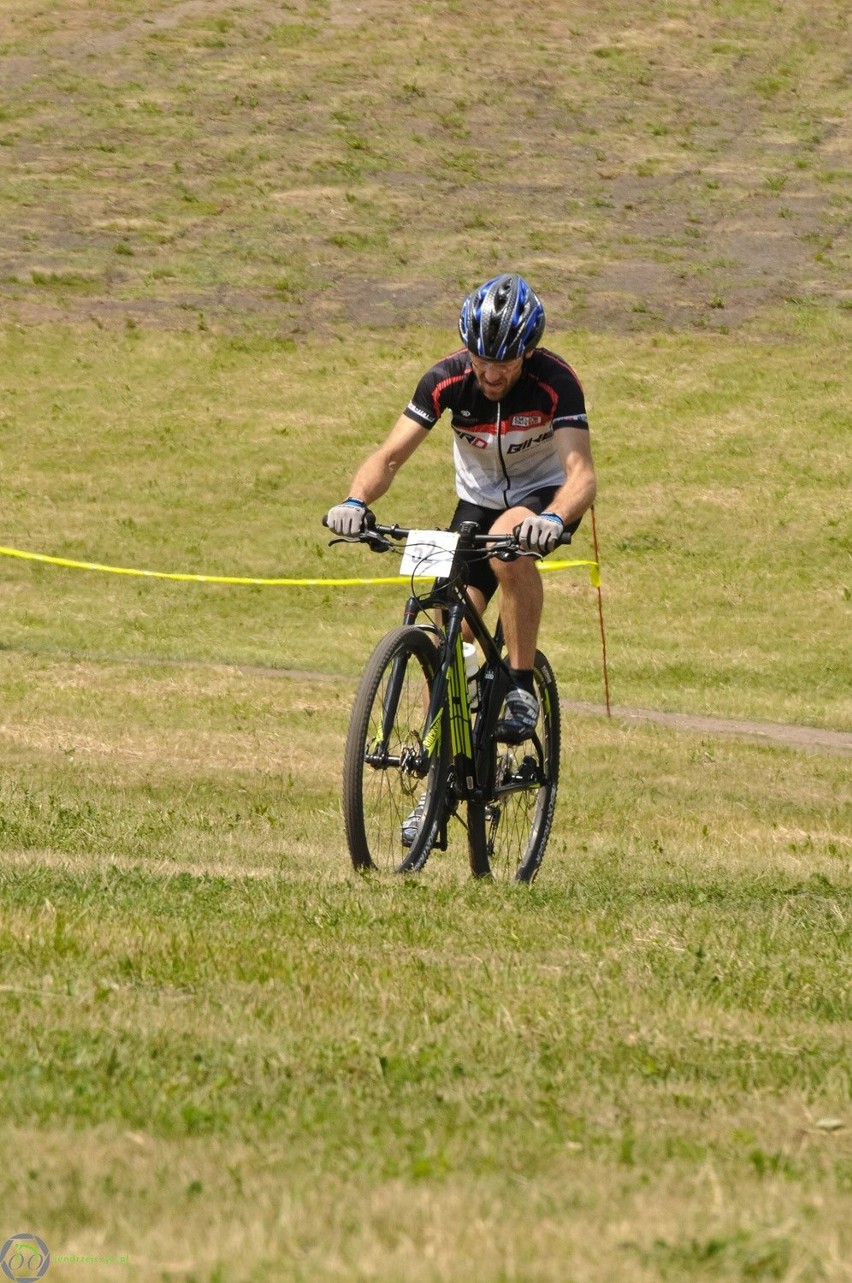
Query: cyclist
(522,456)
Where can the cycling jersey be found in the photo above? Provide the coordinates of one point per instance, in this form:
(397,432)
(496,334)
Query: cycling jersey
(504,449)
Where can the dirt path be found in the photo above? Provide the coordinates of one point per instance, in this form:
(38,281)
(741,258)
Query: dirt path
(802,737)
(815,738)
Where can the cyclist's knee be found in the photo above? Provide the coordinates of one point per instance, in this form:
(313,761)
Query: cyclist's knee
(521,587)
(506,522)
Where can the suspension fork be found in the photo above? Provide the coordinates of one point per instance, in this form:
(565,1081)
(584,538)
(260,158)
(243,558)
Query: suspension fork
(393,690)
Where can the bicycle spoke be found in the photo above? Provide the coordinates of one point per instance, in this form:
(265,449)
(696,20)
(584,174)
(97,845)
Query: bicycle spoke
(388,767)
(512,828)
(404,780)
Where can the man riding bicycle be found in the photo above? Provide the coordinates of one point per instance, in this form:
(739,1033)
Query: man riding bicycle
(522,455)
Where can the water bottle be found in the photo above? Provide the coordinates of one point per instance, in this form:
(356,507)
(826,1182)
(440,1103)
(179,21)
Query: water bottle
(471,670)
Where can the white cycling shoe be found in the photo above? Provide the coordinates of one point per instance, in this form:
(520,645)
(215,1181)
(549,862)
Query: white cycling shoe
(520,717)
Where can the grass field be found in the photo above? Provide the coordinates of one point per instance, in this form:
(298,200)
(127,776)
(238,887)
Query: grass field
(231,237)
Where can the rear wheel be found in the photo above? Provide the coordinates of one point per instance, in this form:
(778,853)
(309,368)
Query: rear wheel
(393,762)
(507,833)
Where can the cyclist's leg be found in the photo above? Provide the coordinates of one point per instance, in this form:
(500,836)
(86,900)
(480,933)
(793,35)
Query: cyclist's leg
(521,598)
(521,591)
(521,604)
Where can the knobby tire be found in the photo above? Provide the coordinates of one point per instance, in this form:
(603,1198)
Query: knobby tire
(508,831)
(387,766)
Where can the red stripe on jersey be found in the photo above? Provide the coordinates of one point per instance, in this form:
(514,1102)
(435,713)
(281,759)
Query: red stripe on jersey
(561,361)
(551,392)
(438,389)
(487,429)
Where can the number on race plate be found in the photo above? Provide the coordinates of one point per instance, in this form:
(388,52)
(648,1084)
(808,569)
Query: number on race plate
(429,552)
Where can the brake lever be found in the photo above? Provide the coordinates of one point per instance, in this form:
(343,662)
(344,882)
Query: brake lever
(375,542)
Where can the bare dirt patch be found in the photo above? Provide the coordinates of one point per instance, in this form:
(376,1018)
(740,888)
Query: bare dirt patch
(306,167)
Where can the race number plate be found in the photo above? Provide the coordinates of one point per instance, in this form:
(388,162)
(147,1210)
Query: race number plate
(429,553)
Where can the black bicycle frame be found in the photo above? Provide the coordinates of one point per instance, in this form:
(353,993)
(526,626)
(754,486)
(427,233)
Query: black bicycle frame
(469,746)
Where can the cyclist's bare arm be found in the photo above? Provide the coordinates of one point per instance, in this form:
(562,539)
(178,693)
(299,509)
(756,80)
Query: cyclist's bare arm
(376,473)
(578,492)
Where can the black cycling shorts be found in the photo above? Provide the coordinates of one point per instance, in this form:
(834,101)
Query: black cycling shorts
(479,572)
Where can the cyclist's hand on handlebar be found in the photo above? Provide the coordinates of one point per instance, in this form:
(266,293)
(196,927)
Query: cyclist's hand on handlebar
(540,534)
(347,518)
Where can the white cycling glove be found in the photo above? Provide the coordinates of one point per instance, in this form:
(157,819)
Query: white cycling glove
(540,534)
(346,518)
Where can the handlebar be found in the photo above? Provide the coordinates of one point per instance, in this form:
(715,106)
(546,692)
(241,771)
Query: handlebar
(383,538)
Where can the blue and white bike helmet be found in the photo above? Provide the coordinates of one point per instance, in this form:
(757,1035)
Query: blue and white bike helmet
(502,319)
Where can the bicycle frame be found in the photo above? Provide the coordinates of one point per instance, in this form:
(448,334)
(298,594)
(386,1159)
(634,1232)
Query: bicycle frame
(468,744)
(413,719)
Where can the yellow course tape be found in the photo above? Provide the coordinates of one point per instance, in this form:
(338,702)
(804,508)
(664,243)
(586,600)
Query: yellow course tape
(594,573)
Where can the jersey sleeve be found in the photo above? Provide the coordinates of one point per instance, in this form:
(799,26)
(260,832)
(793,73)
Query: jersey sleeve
(425,407)
(438,390)
(570,409)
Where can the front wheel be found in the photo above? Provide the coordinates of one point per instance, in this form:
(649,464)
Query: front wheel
(508,831)
(395,766)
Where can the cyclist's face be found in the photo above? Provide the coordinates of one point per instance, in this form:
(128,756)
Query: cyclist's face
(496,378)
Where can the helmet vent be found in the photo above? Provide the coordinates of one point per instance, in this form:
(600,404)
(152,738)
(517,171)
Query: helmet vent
(502,319)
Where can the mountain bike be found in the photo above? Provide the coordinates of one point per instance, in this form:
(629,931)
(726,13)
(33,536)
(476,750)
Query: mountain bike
(424,743)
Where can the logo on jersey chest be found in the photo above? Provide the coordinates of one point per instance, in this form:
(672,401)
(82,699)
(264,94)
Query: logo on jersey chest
(527,420)
(478,442)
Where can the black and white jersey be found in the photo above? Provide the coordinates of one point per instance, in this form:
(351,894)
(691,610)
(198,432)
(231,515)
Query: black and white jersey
(504,449)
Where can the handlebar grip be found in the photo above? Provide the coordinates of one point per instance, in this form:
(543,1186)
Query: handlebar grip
(369,519)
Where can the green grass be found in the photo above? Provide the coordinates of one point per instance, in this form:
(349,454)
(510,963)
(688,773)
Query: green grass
(211,455)
(362,1083)
(635,1068)
(347,1072)
(232,238)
